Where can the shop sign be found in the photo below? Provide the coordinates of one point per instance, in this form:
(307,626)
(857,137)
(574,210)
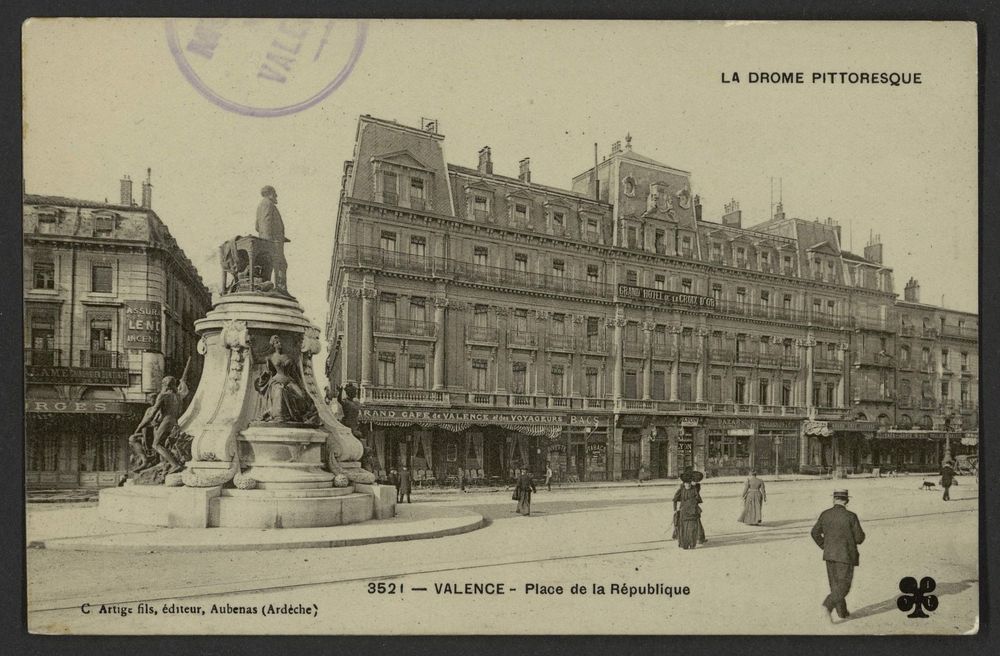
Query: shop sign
(734,422)
(90,407)
(740,432)
(596,449)
(663,297)
(631,421)
(557,447)
(591,421)
(690,421)
(855,426)
(775,425)
(76,375)
(142,325)
(448,416)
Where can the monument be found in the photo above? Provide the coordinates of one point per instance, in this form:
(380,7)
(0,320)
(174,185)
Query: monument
(266,450)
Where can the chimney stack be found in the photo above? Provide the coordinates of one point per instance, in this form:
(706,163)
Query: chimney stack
(524,173)
(616,147)
(873,252)
(126,190)
(911,292)
(147,190)
(733,216)
(485,163)
(697,207)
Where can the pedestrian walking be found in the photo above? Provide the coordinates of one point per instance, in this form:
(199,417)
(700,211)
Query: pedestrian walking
(687,513)
(754,496)
(838,533)
(947,480)
(394,480)
(548,477)
(522,492)
(405,484)
(461,479)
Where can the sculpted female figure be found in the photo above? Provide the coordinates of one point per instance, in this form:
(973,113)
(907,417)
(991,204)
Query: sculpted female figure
(284,399)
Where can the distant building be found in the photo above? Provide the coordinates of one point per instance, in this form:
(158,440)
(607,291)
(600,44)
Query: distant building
(611,329)
(110,302)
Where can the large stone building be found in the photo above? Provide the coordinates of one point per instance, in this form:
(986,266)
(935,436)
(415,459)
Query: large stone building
(610,329)
(110,302)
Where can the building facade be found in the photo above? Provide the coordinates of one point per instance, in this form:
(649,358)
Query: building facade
(609,329)
(110,302)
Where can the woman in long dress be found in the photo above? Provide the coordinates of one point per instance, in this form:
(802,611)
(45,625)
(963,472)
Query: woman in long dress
(525,486)
(284,400)
(687,513)
(754,496)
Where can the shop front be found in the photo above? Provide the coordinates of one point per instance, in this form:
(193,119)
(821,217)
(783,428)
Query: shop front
(838,447)
(73,444)
(737,445)
(920,450)
(488,447)
(674,444)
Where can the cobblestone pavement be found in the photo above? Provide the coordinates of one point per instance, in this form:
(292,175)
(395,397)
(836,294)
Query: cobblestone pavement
(767,579)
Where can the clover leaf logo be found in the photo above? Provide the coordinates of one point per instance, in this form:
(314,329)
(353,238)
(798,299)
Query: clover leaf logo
(917,597)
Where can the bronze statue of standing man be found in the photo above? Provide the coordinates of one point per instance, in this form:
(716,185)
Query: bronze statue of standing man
(271,228)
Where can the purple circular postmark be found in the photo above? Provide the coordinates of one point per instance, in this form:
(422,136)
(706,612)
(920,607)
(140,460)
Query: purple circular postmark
(265,67)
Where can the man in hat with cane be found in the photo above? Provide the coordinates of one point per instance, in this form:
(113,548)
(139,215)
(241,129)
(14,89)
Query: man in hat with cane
(838,533)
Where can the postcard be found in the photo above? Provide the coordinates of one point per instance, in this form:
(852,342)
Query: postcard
(474,327)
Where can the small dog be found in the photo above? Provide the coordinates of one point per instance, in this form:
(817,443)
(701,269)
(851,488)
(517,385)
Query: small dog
(927,485)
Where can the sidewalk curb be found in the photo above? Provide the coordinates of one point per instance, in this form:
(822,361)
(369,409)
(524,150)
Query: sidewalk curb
(472,522)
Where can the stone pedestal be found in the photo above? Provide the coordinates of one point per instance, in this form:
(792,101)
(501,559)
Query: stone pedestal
(279,456)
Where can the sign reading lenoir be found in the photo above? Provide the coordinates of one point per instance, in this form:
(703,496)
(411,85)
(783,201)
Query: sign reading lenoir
(142,325)
(664,297)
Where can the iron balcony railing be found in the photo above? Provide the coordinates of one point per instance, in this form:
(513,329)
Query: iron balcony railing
(561,342)
(43,357)
(826,363)
(485,334)
(525,339)
(386,260)
(103,360)
(410,327)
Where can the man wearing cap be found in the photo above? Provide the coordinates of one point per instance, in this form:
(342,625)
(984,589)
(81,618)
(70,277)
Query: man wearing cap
(838,533)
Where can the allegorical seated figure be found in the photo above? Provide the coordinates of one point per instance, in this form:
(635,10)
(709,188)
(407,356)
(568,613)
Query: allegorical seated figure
(284,400)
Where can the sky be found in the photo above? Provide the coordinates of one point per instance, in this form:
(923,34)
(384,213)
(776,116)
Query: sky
(106,97)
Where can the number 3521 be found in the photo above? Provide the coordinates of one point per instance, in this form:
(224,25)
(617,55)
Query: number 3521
(382,587)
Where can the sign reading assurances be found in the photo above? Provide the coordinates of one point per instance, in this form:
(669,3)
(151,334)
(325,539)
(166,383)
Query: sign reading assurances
(142,325)
(664,297)
(448,416)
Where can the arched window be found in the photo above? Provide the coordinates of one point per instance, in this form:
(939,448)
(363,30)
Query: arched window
(905,422)
(883,420)
(926,422)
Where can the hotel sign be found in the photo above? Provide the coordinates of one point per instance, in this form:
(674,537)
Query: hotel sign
(142,325)
(447,416)
(664,297)
(75,376)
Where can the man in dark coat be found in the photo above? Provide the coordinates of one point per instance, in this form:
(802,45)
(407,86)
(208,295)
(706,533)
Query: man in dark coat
(947,480)
(404,485)
(838,533)
(271,228)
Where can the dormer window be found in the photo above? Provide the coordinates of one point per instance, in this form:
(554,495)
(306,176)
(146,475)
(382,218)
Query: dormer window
(741,257)
(521,213)
(593,230)
(417,194)
(480,207)
(716,251)
(628,186)
(47,223)
(104,226)
(390,188)
(558,221)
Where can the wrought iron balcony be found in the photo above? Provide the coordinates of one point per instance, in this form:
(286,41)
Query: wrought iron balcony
(594,344)
(408,327)
(42,357)
(522,339)
(103,360)
(481,334)
(560,342)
